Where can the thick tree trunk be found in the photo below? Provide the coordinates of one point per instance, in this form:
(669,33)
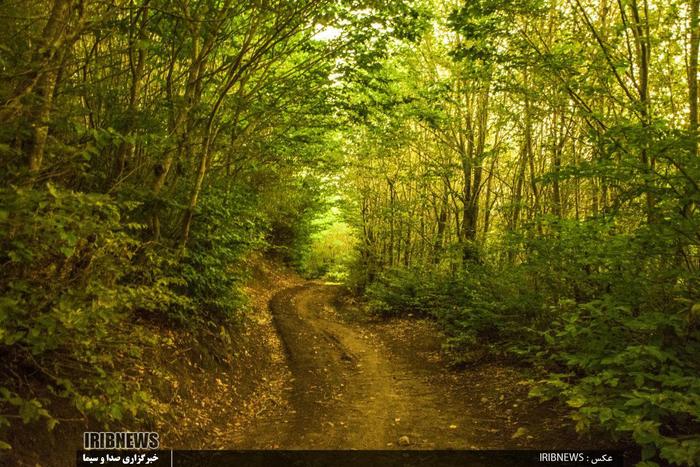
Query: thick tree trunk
(47,61)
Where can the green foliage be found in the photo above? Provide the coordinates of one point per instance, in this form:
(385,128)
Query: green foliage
(98,281)
(64,306)
(227,228)
(400,292)
(623,369)
(290,222)
(475,307)
(332,248)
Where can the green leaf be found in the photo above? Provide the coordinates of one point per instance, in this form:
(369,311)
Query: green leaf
(51,423)
(605,414)
(116,412)
(576,401)
(52,190)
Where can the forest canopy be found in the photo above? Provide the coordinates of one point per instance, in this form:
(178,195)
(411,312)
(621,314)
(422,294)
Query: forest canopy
(523,172)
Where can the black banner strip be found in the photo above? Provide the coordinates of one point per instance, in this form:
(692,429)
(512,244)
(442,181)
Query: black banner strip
(279,458)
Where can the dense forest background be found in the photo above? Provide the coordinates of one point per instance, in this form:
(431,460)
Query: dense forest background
(524,172)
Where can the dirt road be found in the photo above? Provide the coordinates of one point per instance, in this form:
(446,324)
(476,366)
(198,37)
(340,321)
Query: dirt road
(313,375)
(378,386)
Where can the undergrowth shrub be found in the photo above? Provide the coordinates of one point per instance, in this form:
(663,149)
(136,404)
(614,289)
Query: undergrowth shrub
(227,228)
(82,293)
(64,309)
(474,306)
(400,292)
(629,371)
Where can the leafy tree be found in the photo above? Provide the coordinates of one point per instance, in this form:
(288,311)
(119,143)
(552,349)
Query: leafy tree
(526,173)
(148,147)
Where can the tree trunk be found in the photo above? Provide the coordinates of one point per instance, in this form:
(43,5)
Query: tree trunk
(694,27)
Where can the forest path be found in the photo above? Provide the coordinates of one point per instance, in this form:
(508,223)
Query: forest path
(366,385)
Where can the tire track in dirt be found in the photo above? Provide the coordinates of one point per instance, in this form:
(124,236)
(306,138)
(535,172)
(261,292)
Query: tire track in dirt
(348,390)
(350,383)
